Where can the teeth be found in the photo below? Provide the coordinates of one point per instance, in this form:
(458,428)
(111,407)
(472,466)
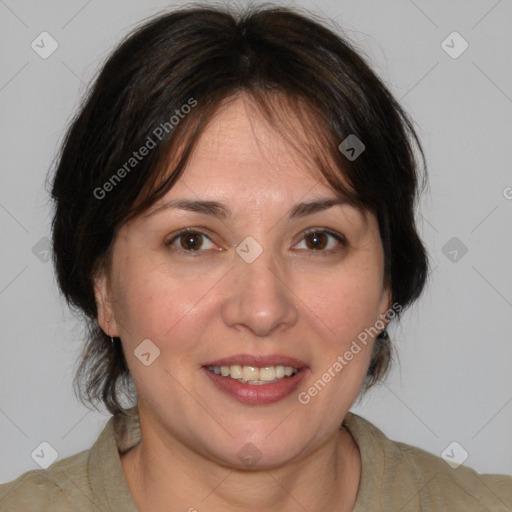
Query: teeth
(235,371)
(267,373)
(250,373)
(279,372)
(253,374)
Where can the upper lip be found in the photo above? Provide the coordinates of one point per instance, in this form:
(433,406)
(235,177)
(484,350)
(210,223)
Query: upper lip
(258,361)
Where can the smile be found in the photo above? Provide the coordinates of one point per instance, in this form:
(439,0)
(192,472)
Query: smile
(256,380)
(252,374)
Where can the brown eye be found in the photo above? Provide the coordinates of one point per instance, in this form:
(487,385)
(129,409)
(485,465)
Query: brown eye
(190,241)
(322,240)
(316,241)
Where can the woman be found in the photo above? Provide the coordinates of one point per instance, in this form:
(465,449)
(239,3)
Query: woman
(235,219)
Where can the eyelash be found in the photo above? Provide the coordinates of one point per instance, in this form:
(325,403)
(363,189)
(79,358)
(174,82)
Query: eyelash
(322,252)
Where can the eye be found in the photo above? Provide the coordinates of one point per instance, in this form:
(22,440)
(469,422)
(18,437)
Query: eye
(190,240)
(316,240)
(323,240)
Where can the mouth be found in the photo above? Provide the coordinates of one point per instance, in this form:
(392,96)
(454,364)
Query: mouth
(256,380)
(253,375)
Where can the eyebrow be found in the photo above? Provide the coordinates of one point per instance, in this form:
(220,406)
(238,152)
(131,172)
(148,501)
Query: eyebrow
(221,211)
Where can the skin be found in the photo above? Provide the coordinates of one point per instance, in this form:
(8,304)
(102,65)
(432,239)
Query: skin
(292,300)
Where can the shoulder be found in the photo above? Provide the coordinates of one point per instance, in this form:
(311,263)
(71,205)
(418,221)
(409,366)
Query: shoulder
(412,478)
(460,486)
(91,480)
(38,489)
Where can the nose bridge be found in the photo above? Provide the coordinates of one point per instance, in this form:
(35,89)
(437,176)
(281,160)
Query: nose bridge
(259,297)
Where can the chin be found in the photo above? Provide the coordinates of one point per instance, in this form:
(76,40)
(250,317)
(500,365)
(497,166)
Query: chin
(257,450)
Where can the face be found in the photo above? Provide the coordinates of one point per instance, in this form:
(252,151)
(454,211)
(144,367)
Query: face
(256,289)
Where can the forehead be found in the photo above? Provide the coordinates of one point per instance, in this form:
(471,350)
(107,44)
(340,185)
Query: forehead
(240,149)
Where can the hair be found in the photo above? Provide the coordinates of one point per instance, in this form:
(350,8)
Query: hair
(160,88)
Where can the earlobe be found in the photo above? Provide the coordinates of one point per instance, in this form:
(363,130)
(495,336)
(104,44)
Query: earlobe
(104,307)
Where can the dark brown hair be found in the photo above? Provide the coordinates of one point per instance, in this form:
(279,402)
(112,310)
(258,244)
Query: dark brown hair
(201,57)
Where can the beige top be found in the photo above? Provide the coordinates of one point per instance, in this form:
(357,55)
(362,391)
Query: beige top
(395,477)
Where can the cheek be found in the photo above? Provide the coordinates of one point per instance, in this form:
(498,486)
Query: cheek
(158,304)
(349,306)
(173,305)
(346,302)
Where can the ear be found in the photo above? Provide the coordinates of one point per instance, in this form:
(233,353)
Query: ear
(385,305)
(106,318)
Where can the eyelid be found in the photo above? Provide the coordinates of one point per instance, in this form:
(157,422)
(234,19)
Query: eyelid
(335,234)
(339,237)
(175,236)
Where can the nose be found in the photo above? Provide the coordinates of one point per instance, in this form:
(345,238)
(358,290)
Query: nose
(258,297)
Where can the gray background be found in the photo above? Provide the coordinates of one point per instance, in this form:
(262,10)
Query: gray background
(454,380)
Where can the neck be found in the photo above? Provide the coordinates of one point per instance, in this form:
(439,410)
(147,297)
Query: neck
(168,476)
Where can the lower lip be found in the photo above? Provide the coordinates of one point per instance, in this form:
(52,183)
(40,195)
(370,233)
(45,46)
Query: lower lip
(257,394)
